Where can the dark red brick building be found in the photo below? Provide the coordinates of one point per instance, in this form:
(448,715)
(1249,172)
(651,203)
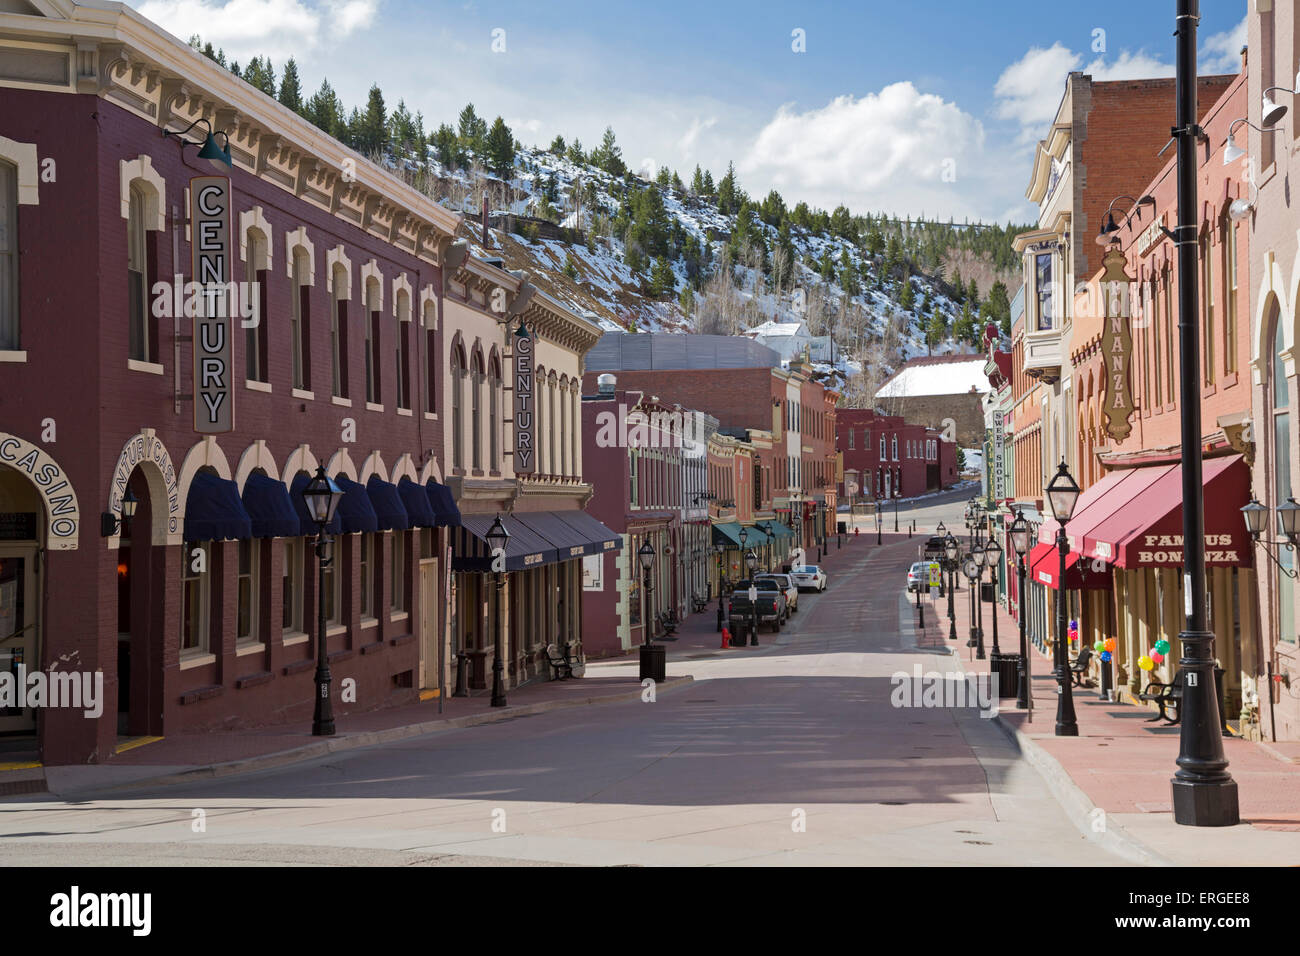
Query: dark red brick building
(885,456)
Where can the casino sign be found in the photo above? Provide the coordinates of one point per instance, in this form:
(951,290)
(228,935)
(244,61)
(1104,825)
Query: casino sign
(61,510)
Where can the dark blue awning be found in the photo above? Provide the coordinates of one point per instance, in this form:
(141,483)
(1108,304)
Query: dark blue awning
(387,504)
(525,548)
(213,511)
(267,503)
(447,514)
(355,510)
(568,542)
(599,538)
(416,502)
(306,524)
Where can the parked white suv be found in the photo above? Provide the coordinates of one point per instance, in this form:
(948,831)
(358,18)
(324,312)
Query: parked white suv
(810,577)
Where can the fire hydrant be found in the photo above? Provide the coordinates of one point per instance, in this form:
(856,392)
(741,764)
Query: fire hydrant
(726,638)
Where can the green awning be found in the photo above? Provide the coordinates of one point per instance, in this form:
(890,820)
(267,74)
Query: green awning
(727,535)
(780,530)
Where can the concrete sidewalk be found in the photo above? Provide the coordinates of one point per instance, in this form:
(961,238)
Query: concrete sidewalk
(1115,776)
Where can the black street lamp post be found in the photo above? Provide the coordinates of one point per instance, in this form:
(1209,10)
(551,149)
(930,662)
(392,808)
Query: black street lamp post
(322,496)
(1063,494)
(721,549)
(971,568)
(993,558)
(950,547)
(879,521)
(1204,793)
(896,497)
(650,654)
(751,561)
(1019,535)
(497,537)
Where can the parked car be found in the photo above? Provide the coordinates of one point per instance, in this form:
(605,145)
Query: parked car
(789,587)
(771,605)
(810,577)
(918,576)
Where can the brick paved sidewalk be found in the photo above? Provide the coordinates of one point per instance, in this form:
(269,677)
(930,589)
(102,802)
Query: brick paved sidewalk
(1122,761)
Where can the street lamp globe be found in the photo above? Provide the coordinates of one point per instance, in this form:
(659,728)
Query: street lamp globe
(1019,534)
(497,536)
(129,503)
(646,554)
(1289,516)
(1063,493)
(992,553)
(322,496)
(950,547)
(1256,516)
(751,560)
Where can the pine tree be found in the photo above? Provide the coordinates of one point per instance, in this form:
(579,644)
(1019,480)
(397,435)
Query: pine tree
(973,294)
(570,267)
(260,74)
(472,130)
(728,194)
(697,182)
(709,189)
(291,87)
(576,155)
(325,111)
(557,146)
(499,149)
(662,279)
(370,134)
(608,156)
(447,147)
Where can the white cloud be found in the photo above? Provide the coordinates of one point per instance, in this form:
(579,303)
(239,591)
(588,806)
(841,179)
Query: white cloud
(275,28)
(1221,52)
(1129,66)
(1030,90)
(900,150)
(687,143)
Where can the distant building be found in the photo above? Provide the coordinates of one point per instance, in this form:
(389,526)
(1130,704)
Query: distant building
(632,351)
(943,392)
(886,457)
(788,339)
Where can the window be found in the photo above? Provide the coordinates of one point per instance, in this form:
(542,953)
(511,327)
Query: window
(851,439)
(291,586)
(1228,240)
(299,336)
(255,369)
(894,447)
(1281,406)
(563,395)
(430,359)
(882,446)
(9,337)
(246,626)
(194,595)
(552,463)
(137,275)
(1144,346)
(1043,288)
(634,458)
(334,587)
(494,416)
(372,342)
(475,412)
(367,576)
(339,334)
(457,426)
(1169,338)
(1153,343)
(403,350)
(1207,299)
(397,575)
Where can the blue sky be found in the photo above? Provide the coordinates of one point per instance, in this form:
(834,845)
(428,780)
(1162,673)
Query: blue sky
(930,106)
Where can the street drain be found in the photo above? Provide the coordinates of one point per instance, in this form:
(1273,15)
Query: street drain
(893,803)
(701,701)
(976,842)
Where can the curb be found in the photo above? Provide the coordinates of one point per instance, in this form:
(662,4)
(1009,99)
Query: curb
(342,744)
(1076,804)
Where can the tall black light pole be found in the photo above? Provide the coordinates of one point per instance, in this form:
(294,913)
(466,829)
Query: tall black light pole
(879,521)
(896,497)
(751,561)
(1062,494)
(721,548)
(1019,535)
(497,537)
(322,496)
(650,654)
(993,558)
(980,560)
(950,547)
(1205,795)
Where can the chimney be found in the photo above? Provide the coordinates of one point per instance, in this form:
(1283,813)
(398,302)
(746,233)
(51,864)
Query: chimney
(486,244)
(605,385)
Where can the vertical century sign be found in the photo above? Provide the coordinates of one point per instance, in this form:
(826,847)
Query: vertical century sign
(214,410)
(525,463)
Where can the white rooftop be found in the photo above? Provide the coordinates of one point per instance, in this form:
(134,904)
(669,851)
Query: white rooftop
(938,378)
(777,328)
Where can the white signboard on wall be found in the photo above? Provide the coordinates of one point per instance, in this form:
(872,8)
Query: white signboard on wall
(593,572)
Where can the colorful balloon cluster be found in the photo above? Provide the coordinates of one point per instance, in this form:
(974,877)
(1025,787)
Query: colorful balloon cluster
(1105,648)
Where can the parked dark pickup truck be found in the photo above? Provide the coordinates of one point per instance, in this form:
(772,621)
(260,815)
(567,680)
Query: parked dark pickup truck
(771,604)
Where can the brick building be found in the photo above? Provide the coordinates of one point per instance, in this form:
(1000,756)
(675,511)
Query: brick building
(885,456)
(942,392)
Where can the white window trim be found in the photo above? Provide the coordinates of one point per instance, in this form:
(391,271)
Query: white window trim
(344,402)
(255,218)
(289,638)
(294,241)
(249,647)
(374,407)
(135,365)
(13,356)
(256,386)
(371,271)
(338,257)
(24,157)
(135,170)
(196,658)
(301,393)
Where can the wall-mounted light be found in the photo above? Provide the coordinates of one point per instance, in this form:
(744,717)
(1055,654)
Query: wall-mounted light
(1288,518)
(110,524)
(218,158)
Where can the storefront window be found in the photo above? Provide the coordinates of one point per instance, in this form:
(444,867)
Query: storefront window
(1043,285)
(194,596)
(1282,480)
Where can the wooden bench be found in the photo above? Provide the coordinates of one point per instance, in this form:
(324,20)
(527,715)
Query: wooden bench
(1167,697)
(698,603)
(668,621)
(1080,666)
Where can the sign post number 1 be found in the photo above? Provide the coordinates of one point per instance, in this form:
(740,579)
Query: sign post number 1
(214,410)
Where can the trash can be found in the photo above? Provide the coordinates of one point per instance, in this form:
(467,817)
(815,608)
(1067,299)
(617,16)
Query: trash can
(841,527)
(654,660)
(1007,667)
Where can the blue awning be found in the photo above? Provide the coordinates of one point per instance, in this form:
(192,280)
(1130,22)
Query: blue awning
(416,502)
(387,504)
(568,542)
(267,503)
(355,510)
(213,511)
(447,514)
(307,524)
(525,548)
(598,537)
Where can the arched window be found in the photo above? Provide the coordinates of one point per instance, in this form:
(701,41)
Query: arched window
(137,272)
(457,426)
(476,416)
(255,338)
(9,338)
(339,332)
(564,425)
(373,307)
(299,319)
(403,349)
(552,426)
(1280,394)
(494,415)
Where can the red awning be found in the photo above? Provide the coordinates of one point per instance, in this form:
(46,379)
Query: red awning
(1045,568)
(1097,503)
(1147,531)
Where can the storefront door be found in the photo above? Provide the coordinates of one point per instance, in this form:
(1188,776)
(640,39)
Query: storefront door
(430,632)
(19,626)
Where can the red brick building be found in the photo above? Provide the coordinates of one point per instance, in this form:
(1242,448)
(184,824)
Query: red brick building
(884,456)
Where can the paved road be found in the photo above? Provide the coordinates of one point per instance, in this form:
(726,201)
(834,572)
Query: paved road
(786,753)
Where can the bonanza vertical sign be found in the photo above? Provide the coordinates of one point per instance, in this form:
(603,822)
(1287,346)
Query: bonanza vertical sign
(214,410)
(525,418)
(1116,347)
